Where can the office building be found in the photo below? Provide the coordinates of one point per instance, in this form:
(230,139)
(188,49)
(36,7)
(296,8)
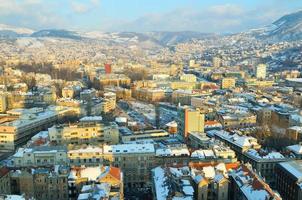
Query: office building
(261,71)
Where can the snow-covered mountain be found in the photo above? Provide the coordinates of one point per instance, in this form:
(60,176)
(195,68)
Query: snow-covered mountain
(288,27)
(7,31)
(18,30)
(57,33)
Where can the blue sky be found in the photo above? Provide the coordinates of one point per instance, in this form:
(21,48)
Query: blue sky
(223,16)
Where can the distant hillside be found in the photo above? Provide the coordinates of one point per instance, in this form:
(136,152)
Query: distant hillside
(288,27)
(56,33)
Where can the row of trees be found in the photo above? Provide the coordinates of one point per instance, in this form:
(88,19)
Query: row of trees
(47,68)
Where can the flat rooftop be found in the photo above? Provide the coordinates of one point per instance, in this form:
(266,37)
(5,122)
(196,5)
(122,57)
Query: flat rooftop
(294,168)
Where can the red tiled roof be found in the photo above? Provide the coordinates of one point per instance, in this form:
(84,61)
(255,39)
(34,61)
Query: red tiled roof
(211,122)
(115,172)
(228,166)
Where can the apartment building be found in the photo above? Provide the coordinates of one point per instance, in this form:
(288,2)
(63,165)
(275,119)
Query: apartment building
(228,83)
(149,94)
(289,179)
(135,160)
(85,182)
(85,132)
(264,162)
(188,78)
(189,120)
(239,144)
(237,120)
(5,185)
(40,156)
(207,182)
(157,134)
(247,185)
(41,183)
(17,132)
(112,80)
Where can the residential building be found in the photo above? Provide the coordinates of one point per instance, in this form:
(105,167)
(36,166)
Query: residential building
(157,134)
(41,183)
(289,179)
(40,156)
(85,182)
(17,132)
(261,71)
(228,83)
(247,185)
(5,185)
(189,120)
(85,132)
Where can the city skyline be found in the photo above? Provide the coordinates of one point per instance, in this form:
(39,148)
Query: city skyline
(143,16)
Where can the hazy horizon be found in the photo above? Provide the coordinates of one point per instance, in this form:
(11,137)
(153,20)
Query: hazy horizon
(144,16)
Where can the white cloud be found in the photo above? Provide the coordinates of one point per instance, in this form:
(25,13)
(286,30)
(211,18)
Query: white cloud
(83,7)
(217,18)
(30,13)
(95,2)
(79,7)
(226,9)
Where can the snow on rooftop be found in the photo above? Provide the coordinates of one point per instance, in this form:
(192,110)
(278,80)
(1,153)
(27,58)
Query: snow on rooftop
(209,172)
(14,197)
(297,148)
(253,194)
(270,155)
(161,188)
(92,173)
(241,141)
(84,196)
(188,190)
(178,172)
(121,119)
(221,167)
(180,151)
(172,124)
(91,118)
(129,148)
(218,178)
(182,198)
(41,134)
(293,167)
(296,128)
(89,149)
(19,153)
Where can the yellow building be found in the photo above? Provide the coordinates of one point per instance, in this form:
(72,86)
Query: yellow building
(17,132)
(112,80)
(237,120)
(294,133)
(228,83)
(3,103)
(188,78)
(109,102)
(183,85)
(190,120)
(259,83)
(149,94)
(183,96)
(261,71)
(85,132)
